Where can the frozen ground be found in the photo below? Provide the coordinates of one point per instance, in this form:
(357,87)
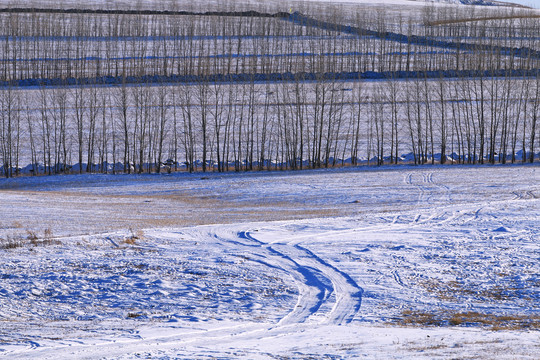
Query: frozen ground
(423,262)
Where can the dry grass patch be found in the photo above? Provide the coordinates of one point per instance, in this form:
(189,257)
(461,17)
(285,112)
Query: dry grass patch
(177,209)
(134,236)
(455,291)
(484,18)
(30,238)
(12,242)
(470,318)
(428,347)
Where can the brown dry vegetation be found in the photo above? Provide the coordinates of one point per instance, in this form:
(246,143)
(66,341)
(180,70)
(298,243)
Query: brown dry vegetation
(93,213)
(481,18)
(29,238)
(470,318)
(134,236)
(455,290)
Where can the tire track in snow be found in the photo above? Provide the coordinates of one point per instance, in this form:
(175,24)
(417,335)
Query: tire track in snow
(422,196)
(408,179)
(524,195)
(316,280)
(421,199)
(348,293)
(314,293)
(319,284)
(427,188)
(397,278)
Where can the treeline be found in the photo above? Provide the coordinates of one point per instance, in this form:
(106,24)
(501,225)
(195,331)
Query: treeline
(73,45)
(211,126)
(121,91)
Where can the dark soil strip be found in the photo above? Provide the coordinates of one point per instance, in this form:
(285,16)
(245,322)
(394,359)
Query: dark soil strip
(275,77)
(303,20)
(250,13)
(460,21)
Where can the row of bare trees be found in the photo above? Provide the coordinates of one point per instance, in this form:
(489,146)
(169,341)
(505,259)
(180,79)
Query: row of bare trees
(253,126)
(205,125)
(59,45)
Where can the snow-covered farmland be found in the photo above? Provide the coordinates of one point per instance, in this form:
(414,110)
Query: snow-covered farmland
(396,262)
(249,86)
(387,262)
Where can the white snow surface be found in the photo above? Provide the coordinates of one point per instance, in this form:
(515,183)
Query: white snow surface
(395,244)
(336,264)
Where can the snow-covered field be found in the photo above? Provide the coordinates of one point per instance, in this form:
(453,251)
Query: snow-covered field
(398,262)
(359,262)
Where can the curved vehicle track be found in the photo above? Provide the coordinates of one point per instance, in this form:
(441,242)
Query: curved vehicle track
(326,296)
(318,282)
